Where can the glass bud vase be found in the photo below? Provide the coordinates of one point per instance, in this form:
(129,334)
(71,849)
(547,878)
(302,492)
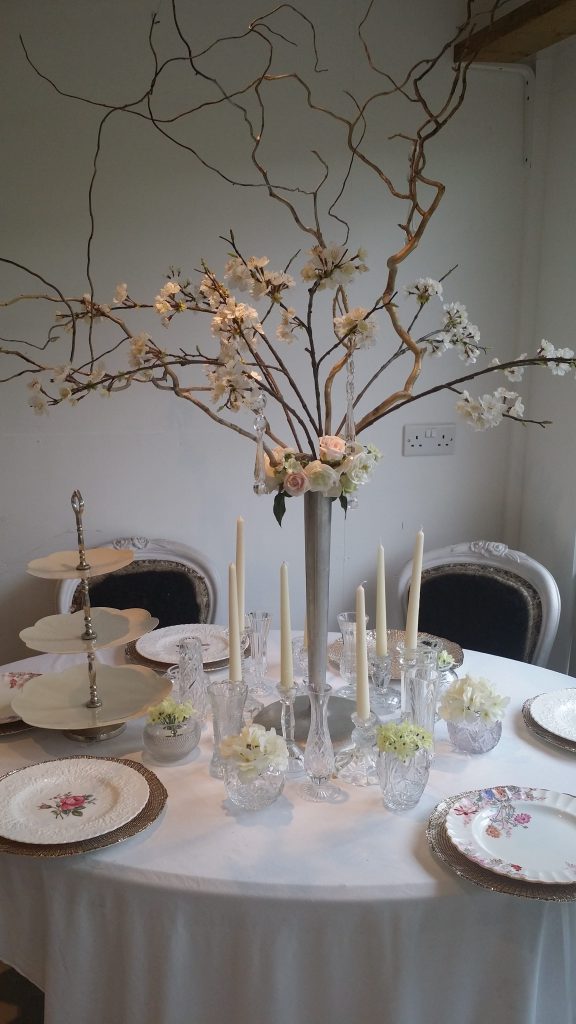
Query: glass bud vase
(319,762)
(166,744)
(474,737)
(250,790)
(403,782)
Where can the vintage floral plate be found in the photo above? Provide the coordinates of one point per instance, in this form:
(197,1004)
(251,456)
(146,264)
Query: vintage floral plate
(162,644)
(518,832)
(556,712)
(70,799)
(10,684)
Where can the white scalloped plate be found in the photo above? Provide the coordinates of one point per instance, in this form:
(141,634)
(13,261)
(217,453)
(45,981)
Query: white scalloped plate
(70,799)
(518,832)
(162,644)
(61,634)
(10,684)
(63,565)
(57,700)
(556,712)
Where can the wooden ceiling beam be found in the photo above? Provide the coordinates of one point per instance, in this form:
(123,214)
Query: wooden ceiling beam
(521,33)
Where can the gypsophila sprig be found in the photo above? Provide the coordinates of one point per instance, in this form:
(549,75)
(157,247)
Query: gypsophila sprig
(402,739)
(171,714)
(255,750)
(468,698)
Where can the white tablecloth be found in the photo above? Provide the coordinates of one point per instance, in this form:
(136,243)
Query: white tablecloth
(316,914)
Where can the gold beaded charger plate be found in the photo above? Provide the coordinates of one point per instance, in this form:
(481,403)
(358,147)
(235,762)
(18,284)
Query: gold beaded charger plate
(69,799)
(542,733)
(395,636)
(157,796)
(443,848)
(10,685)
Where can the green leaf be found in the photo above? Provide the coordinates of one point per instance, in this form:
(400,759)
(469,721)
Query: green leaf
(344,503)
(279,507)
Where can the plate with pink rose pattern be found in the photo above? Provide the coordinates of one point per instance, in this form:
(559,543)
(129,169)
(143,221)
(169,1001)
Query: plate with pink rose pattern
(518,832)
(10,684)
(69,799)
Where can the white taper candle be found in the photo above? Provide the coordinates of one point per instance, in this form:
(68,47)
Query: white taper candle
(235,659)
(414,598)
(362,690)
(240,571)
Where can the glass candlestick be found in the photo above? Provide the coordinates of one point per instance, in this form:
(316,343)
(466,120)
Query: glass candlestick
(295,757)
(319,753)
(418,685)
(384,699)
(357,764)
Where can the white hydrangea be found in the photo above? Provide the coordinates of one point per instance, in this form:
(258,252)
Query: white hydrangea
(467,698)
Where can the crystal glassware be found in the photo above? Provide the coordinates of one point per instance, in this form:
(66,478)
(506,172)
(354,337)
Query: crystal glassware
(300,662)
(384,699)
(257,629)
(418,684)
(250,790)
(192,680)
(357,764)
(168,743)
(347,625)
(403,782)
(319,761)
(227,700)
(474,737)
(295,767)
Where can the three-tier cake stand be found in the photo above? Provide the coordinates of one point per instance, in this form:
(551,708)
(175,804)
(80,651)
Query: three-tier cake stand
(89,701)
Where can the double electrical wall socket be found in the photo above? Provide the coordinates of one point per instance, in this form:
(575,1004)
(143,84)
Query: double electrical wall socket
(429,439)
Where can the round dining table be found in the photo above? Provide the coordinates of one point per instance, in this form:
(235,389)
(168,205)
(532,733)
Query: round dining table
(302,913)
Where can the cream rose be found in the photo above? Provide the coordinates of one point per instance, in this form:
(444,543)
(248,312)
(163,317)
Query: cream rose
(332,448)
(296,483)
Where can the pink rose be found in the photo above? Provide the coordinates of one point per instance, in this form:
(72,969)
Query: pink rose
(69,802)
(296,483)
(332,448)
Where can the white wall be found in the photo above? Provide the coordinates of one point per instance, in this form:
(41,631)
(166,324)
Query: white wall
(147,464)
(548,511)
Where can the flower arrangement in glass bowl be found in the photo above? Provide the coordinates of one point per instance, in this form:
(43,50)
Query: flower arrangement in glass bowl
(473,712)
(172,730)
(255,762)
(405,756)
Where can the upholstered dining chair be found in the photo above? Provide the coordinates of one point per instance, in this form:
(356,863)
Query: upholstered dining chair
(172,581)
(487,597)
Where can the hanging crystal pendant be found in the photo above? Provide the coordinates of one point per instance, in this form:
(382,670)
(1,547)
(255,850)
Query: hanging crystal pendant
(350,428)
(260,424)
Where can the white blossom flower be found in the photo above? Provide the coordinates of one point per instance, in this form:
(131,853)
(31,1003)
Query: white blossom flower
(489,410)
(455,315)
(287,326)
(38,402)
(547,350)
(355,328)
(162,306)
(121,293)
(170,288)
(424,289)
(329,266)
(34,384)
(138,349)
(60,373)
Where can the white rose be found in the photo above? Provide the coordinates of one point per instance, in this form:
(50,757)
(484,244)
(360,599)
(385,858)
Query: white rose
(296,483)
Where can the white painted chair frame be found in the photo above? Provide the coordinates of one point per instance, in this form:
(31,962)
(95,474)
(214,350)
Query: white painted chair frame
(499,556)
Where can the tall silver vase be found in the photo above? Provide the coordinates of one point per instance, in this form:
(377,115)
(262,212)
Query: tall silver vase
(317,527)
